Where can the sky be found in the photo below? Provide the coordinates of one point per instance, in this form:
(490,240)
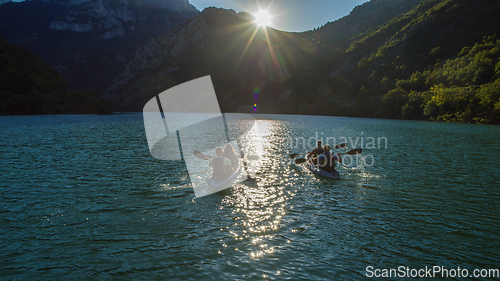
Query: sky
(289,15)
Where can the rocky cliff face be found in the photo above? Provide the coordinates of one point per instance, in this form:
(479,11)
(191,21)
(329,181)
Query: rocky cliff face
(113,18)
(160,55)
(96,31)
(168,45)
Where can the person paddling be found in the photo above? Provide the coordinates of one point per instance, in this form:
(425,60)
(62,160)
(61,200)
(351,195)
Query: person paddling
(231,155)
(222,168)
(327,161)
(317,151)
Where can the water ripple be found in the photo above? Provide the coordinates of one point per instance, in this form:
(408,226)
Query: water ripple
(82,198)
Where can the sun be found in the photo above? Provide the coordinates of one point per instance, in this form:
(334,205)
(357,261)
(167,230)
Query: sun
(262,18)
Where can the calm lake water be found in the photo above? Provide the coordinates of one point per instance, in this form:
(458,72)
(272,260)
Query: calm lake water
(81,198)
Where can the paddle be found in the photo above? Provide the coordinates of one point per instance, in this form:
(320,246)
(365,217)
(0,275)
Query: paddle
(201,155)
(340,145)
(353,152)
(300,161)
(293,155)
(350,152)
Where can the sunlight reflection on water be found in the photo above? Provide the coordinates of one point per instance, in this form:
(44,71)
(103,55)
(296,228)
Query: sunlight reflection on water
(81,196)
(262,206)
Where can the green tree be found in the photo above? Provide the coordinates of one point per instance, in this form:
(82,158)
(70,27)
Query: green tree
(393,102)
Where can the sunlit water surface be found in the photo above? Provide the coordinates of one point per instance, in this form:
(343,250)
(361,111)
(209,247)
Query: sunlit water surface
(81,197)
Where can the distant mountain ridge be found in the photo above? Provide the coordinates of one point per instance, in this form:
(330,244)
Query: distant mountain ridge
(388,58)
(89,41)
(214,26)
(426,60)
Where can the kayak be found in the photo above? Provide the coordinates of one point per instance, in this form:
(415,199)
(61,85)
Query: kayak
(319,172)
(225,183)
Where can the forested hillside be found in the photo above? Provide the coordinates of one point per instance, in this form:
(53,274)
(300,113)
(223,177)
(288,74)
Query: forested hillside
(427,60)
(438,62)
(31,86)
(464,89)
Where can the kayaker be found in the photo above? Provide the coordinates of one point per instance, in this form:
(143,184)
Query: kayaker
(317,151)
(327,161)
(229,154)
(221,166)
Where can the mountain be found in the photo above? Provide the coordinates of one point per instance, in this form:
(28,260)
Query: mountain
(29,85)
(431,60)
(89,41)
(212,43)
(216,43)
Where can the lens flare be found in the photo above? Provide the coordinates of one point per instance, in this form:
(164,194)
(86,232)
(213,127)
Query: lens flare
(256,92)
(262,18)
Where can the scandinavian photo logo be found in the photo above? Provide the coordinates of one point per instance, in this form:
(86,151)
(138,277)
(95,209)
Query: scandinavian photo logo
(185,123)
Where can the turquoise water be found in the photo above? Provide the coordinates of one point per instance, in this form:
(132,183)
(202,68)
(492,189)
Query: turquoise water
(83,199)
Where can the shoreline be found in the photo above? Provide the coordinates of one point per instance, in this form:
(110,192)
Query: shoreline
(253,114)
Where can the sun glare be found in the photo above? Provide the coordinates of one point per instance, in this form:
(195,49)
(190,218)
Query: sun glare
(262,18)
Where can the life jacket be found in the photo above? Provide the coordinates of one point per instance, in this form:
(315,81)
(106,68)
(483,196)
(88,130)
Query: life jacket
(327,161)
(319,151)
